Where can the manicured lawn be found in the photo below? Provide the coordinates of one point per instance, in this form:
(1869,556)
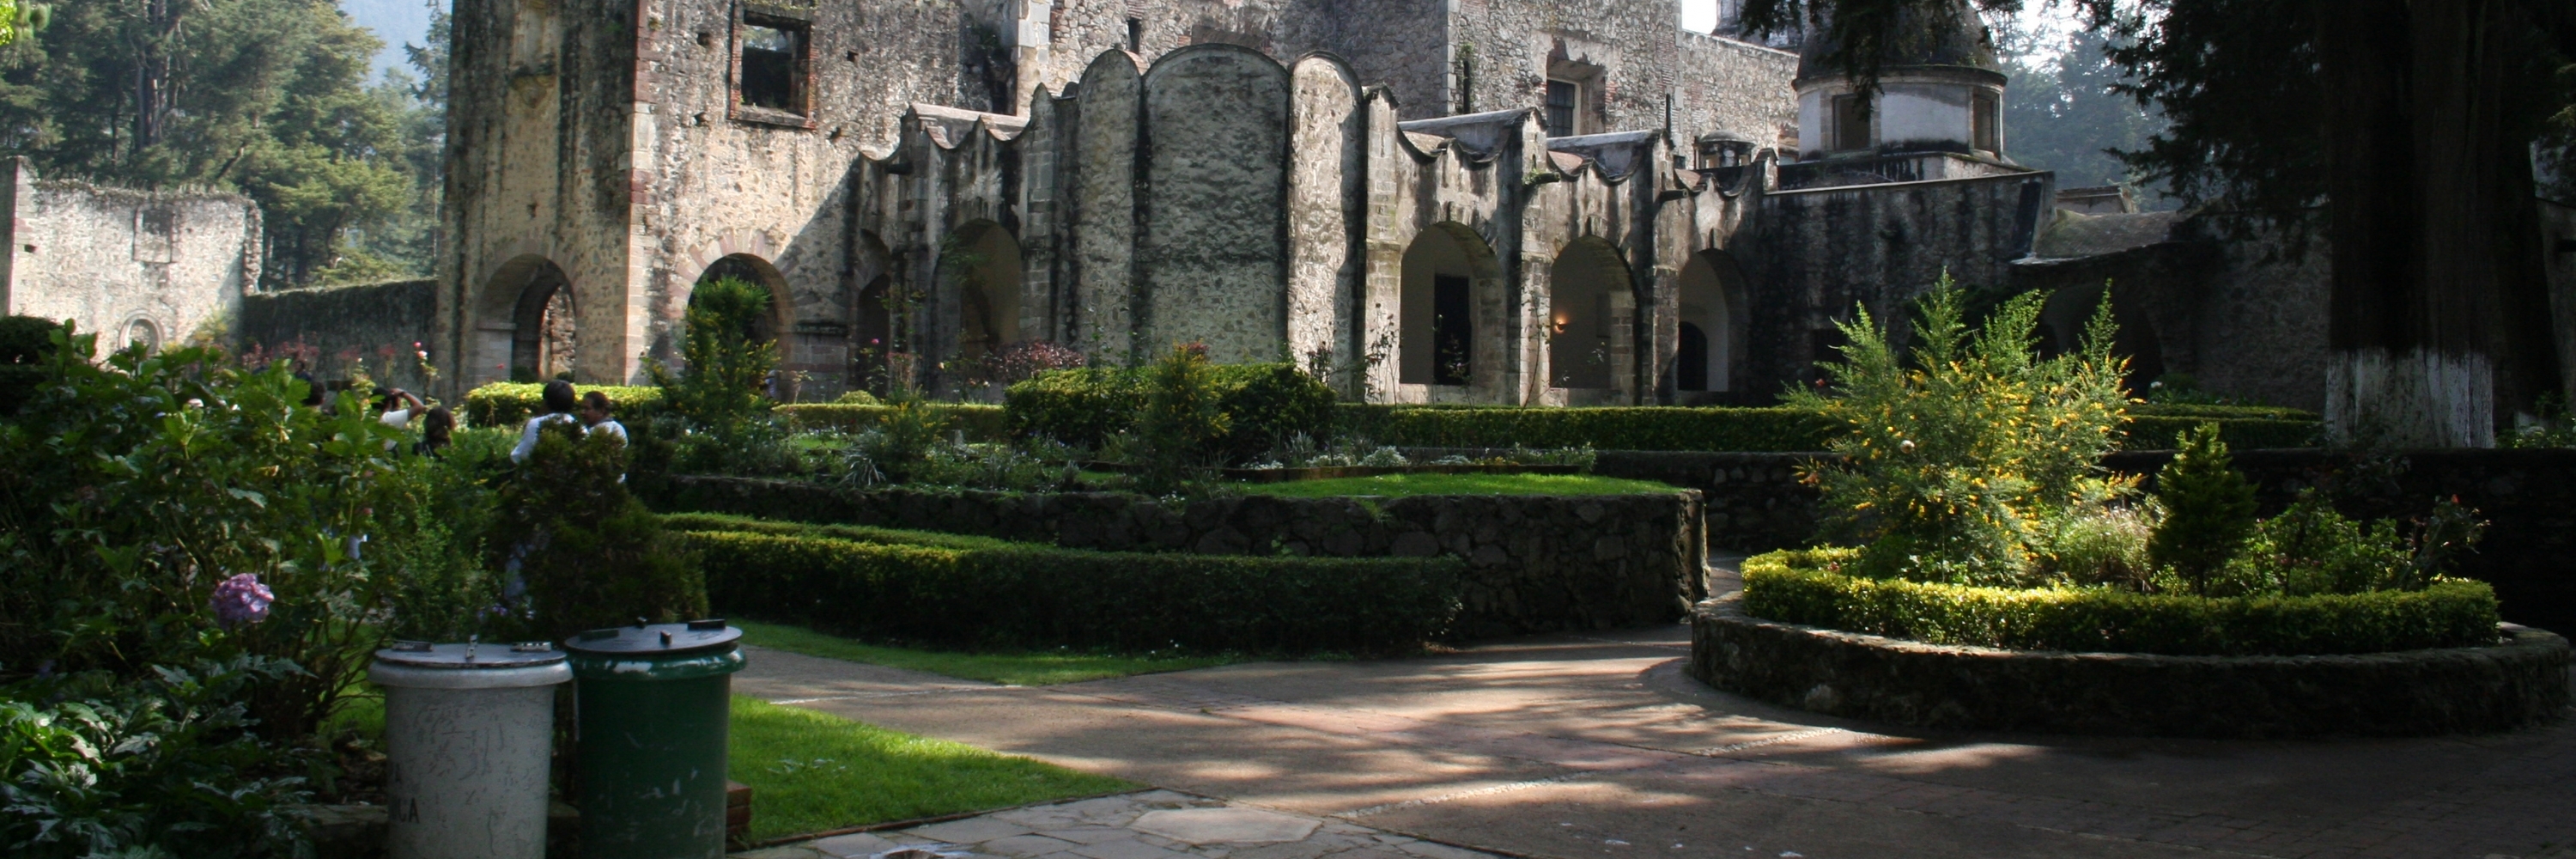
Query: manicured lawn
(1021,668)
(811,772)
(1397,485)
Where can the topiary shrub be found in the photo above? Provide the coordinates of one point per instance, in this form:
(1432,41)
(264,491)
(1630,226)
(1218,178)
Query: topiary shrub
(2209,510)
(1814,588)
(1261,404)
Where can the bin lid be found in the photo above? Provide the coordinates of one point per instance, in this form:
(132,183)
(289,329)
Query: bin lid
(422,654)
(656,638)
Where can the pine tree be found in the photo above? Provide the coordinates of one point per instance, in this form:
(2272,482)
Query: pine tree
(2209,509)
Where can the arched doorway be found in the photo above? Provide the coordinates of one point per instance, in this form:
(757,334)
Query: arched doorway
(1590,318)
(981,268)
(872,326)
(1445,319)
(526,325)
(765,327)
(1705,354)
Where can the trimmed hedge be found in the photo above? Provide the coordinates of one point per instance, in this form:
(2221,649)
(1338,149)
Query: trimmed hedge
(991,593)
(2191,410)
(1795,587)
(509,404)
(1265,402)
(981,422)
(1736,429)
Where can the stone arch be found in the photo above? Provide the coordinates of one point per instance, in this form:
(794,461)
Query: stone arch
(979,269)
(770,326)
(1591,319)
(1713,305)
(1449,325)
(525,326)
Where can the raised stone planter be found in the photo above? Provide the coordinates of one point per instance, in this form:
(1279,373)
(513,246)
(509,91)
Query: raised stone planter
(2520,682)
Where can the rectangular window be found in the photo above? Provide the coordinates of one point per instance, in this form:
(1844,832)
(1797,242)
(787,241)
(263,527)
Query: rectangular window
(1982,115)
(1563,97)
(1452,336)
(1851,122)
(770,54)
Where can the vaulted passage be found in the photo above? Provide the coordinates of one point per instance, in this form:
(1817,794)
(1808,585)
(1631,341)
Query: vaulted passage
(526,328)
(982,269)
(1442,328)
(1712,298)
(1590,310)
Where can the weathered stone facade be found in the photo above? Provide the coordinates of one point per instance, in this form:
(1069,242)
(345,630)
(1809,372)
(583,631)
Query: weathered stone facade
(371,328)
(155,267)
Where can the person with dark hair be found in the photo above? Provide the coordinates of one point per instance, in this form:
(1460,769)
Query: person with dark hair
(437,430)
(560,403)
(595,409)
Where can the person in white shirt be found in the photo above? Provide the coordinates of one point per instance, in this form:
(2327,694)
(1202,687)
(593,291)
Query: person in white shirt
(595,409)
(559,404)
(400,418)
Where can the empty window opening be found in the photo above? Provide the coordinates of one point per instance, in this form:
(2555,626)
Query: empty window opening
(1982,117)
(1562,99)
(1851,122)
(1135,35)
(773,61)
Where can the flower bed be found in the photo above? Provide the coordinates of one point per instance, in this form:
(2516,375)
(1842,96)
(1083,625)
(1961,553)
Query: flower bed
(1801,587)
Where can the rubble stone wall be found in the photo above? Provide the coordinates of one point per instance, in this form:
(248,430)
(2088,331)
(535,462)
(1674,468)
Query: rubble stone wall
(165,267)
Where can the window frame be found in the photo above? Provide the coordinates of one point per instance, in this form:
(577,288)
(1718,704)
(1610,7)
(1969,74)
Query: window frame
(800,78)
(1985,123)
(1852,118)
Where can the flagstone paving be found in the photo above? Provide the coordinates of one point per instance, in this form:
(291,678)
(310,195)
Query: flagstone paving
(1585,746)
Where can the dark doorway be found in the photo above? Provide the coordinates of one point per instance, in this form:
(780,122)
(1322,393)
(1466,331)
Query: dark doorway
(1452,337)
(1690,359)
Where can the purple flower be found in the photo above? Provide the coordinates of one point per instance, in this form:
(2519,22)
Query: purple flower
(241,599)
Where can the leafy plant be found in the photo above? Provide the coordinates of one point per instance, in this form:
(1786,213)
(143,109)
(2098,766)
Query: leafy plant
(164,765)
(586,554)
(1955,457)
(2209,510)
(1182,421)
(722,386)
(2100,546)
(2311,549)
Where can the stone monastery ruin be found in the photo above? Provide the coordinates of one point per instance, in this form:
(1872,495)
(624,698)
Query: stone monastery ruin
(1478,201)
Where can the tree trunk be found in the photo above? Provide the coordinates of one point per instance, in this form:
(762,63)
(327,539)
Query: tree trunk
(2410,146)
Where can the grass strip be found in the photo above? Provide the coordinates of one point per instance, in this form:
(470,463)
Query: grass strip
(1400,485)
(811,771)
(1016,668)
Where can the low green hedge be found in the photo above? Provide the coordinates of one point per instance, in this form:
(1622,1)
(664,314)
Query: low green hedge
(509,404)
(1722,428)
(981,422)
(1264,402)
(2193,410)
(991,593)
(1796,587)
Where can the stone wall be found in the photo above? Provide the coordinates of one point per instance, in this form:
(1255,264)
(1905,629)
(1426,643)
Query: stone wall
(2412,693)
(1816,253)
(1535,563)
(378,323)
(163,267)
(1734,87)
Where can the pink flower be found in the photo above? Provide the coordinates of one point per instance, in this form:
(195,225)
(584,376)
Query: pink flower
(241,599)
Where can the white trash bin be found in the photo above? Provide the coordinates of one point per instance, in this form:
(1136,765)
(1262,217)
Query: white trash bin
(469,735)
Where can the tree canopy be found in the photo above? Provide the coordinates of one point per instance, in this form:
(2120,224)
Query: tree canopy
(269,98)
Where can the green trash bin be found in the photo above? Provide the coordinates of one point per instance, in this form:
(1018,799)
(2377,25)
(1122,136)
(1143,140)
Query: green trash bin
(650,703)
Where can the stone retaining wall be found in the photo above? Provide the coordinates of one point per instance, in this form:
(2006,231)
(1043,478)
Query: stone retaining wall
(1535,563)
(2410,693)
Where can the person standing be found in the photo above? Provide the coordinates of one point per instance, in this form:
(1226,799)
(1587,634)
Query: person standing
(595,410)
(559,403)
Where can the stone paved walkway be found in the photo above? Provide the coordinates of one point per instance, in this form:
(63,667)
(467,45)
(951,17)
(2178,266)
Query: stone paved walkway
(1155,824)
(1596,746)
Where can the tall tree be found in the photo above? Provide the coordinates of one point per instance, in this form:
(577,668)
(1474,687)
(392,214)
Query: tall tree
(2066,110)
(2411,120)
(264,97)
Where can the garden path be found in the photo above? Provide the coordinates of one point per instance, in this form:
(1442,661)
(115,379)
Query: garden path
(1585,746)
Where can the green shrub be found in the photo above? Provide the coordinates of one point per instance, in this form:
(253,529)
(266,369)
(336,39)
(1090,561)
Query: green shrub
(2219,412)
(2311,549)
(2098,546)
(2209,510)
(1955,455)
(1262,404)
(509,404)
(24,340)
(965,592)
(92,764)
(980,422)
(588,554)
(2165,431)
(724,382)
(1798,587)
(1609,428)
